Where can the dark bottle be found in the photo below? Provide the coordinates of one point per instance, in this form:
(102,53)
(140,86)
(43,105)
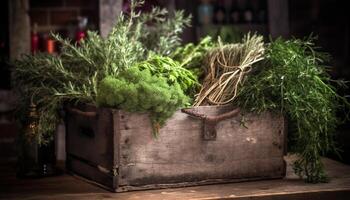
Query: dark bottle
(220,13)
(248,12)
(262,12)
(47,159)
(27,158)
(35,160)
(205,12)
(235,13)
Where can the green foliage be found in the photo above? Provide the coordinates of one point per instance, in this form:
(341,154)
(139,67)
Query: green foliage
(172,71)
(43,80)
(294,82)
(73,76)
(136,90)
(106,56)
(191,55)
(229,34)
(163,34)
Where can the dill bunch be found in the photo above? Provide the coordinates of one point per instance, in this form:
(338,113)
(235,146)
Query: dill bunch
(293,81)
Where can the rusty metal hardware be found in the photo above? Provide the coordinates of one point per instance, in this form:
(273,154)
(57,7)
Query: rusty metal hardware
(210,122)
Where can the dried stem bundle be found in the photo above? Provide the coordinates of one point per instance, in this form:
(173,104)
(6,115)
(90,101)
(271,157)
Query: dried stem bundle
(227,66)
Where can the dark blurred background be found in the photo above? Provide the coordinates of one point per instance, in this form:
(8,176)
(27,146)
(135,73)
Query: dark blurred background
(26,24)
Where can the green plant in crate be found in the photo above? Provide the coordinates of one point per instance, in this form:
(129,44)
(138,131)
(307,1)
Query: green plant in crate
(73,76)
(137,90)
(43,80)
(293,80)
(191,55)
(172,71)
(162,35)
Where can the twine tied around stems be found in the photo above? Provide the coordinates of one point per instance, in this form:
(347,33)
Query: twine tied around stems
(227,66)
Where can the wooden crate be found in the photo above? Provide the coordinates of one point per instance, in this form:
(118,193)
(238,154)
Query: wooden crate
(117,149)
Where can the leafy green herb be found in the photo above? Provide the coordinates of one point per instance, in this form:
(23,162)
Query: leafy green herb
(43,80)
(172,71)
(294,82)
(49,81)
(136,90)
(191,55)
(162,35)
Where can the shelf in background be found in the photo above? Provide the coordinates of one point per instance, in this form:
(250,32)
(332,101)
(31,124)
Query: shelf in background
(237,29)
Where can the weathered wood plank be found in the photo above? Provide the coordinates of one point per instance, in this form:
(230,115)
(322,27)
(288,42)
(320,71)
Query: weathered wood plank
(179,153)
(247,146)
(91,138)
(290,188)
(160,173)
(101,175)
(178,121)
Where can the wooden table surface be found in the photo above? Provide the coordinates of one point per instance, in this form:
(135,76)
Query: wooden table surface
(73,188)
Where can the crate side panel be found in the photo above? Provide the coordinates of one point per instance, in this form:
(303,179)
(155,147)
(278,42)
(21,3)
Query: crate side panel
(91,173)
(180,154)
(91,138)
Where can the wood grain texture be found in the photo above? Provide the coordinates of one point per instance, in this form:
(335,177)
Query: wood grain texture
(92,144)
(121,145)
(289,188)
(179,154)
(91,138)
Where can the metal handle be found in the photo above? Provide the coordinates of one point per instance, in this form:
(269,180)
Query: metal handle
(209,122)
(83,113)
(216,118)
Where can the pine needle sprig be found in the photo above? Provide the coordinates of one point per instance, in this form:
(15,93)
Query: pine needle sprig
(294,82)
(165,29)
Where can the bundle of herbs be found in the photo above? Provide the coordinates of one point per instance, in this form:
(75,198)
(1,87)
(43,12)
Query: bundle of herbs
(226,68)
(134,71)
(292,80)
(74,76)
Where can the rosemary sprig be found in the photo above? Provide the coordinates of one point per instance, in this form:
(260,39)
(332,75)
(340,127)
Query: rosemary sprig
(49,81)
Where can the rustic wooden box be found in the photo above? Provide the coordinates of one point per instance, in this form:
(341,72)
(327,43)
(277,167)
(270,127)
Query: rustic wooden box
(117,150)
